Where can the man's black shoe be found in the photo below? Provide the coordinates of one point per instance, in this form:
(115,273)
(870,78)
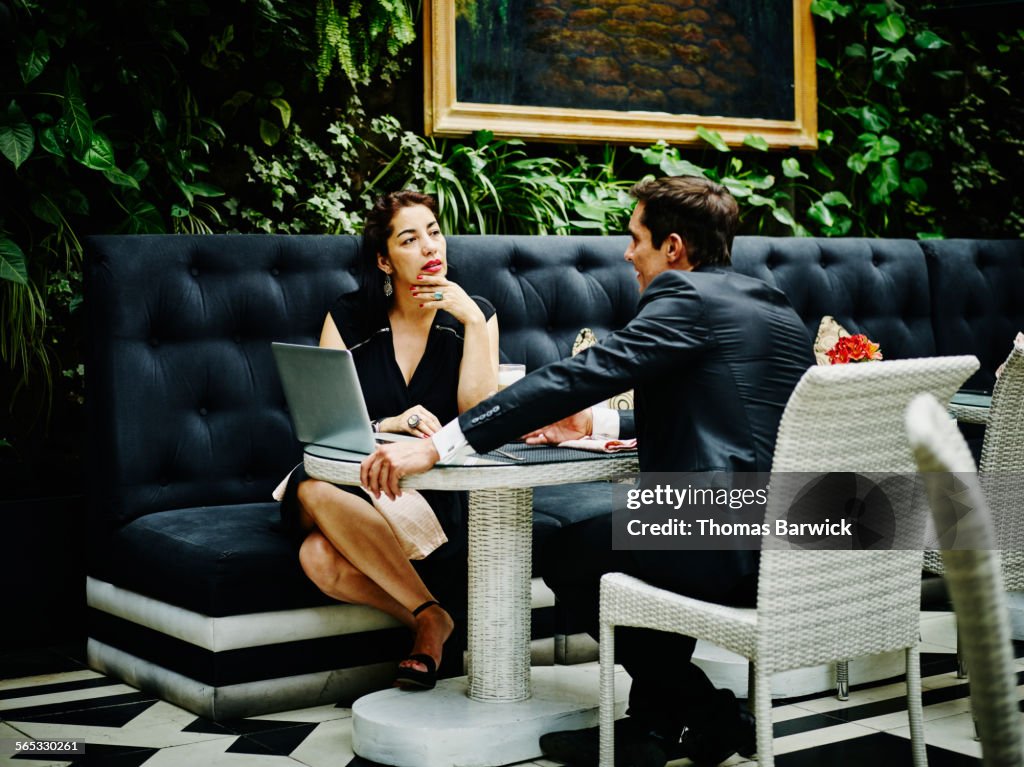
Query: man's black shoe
(635,746)
(711,746)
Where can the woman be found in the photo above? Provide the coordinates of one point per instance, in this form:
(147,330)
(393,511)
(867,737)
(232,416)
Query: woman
(425,351)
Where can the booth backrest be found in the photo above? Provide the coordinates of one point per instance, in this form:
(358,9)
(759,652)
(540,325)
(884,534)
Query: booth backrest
(871,286)
(977,289)
(185,405)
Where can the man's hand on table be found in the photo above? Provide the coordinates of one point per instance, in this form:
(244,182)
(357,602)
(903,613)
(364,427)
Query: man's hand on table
(383,469)
(575,426)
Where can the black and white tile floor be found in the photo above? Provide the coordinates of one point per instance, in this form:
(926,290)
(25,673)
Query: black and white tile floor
(48,695)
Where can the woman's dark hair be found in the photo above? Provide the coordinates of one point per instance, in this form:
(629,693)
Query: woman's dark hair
(700,211)
(376,232)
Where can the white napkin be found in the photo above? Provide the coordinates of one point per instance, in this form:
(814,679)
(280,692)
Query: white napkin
(600,445)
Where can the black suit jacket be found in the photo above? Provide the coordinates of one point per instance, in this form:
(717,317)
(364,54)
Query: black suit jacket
(712,356)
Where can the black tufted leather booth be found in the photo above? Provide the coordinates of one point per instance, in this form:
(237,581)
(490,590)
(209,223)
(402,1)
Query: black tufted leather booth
(193,592)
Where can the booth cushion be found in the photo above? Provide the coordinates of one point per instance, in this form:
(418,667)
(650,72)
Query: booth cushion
(185,404)
(872,286)
(977,289)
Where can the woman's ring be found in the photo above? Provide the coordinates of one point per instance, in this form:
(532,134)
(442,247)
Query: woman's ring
(438,295)
(413,421)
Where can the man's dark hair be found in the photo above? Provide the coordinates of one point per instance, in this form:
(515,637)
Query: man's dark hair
(700,211)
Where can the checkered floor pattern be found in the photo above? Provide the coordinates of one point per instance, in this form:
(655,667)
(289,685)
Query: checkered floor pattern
(49,694)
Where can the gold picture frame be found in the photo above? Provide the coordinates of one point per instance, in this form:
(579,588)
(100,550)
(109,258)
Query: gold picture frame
(792,125)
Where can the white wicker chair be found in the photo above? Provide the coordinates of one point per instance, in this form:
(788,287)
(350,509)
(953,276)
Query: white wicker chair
(973,575)
(813,606)
(1002,459)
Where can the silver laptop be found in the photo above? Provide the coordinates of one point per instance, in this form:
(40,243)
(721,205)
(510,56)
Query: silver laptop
(325,399)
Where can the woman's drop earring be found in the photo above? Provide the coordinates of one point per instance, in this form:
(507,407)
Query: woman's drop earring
(388,288)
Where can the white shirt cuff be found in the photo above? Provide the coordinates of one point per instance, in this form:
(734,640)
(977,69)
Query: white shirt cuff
(606,423)
(451,443)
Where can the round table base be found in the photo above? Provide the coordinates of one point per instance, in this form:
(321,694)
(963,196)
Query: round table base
(444,727)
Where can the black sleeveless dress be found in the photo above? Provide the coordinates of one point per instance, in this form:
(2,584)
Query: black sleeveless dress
(434,385)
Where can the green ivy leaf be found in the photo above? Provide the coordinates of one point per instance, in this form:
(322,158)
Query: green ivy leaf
(887,145)
(160,121)
(891,28)
(143,218)
(928,40)
(836,198)
(178,211)
(52,139)
(841,227)
(12,262)
(823,169)
(829,9)
(885,181)
(285,109)
(875,10)
(202,189)
(120,178)
(736,187)
(755,142)
(766,181)
(45,210)
(915,187)
(783,216)
(269,133)
(820,213)
(873,119)
(138,170)
(99,155)
(856,51)
(17,138)
(930,235)
(857,163)
(713,137)
(76,117)
(678,167)
(826,65)
(760,201)
(917,161)
(791,168)
(947,74)
(76,202)
(826,137)
(185,190)
(33,57)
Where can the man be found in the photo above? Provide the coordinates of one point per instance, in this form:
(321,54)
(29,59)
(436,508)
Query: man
(713,357)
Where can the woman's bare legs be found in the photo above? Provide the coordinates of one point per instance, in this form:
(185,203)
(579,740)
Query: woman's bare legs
(354,556)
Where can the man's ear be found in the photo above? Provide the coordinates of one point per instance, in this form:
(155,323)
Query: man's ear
(676,253)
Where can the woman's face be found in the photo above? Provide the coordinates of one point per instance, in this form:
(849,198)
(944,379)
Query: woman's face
(415,246)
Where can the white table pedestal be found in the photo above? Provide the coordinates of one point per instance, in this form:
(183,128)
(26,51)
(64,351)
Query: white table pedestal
(446,728)
(496,715)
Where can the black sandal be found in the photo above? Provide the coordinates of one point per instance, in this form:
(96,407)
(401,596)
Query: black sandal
(414,679)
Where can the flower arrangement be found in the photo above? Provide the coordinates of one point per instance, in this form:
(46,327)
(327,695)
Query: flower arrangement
(857,348)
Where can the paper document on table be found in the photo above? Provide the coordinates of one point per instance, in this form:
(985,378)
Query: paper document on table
(600,445)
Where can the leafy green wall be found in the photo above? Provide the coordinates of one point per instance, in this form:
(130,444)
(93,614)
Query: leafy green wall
(265,115)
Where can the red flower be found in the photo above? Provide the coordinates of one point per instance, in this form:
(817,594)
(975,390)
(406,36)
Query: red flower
(858,348)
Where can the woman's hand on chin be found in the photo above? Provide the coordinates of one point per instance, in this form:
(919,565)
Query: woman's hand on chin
(453,299)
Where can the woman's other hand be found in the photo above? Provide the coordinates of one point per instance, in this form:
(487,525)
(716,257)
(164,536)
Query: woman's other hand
(453,299)
(417,421)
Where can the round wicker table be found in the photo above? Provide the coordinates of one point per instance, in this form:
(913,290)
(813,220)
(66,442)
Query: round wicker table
(970,407)
(458,723)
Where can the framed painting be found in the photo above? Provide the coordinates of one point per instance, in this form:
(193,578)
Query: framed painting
(622,71)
